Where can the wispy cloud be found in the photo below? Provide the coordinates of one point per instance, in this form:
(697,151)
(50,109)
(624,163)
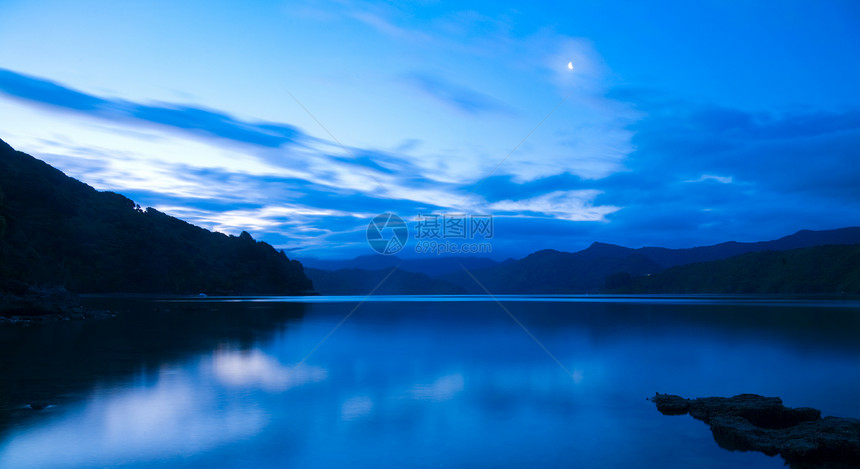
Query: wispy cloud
(377,21)
(284,186)
(443,389)
(747,175)
(459,97)
(278,180)
(304,193)
(564,205)
(711,177)
(188,119)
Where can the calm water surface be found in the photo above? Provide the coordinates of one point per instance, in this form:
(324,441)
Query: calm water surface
(440,382)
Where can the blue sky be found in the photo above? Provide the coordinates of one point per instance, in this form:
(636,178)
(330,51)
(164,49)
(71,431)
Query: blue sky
(680,124)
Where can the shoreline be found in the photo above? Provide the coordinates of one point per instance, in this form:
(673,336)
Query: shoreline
(26,304)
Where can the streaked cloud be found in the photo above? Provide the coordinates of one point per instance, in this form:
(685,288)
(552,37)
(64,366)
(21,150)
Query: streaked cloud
(711,177)
(356,407)
(233,189)
(417,108)
(459,97)
(564,205)
(176,117)
(444,388)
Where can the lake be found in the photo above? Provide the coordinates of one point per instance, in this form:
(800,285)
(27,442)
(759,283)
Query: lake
(412,381)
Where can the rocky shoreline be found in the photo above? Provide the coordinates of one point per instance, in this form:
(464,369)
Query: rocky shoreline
(749,422)
(26,304)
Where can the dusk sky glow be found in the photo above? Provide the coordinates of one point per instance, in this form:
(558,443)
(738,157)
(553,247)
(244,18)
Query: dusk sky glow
(656,123)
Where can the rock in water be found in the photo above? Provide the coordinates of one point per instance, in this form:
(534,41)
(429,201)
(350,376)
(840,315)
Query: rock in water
(749,422)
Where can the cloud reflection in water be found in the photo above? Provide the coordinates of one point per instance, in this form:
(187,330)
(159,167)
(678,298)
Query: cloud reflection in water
(253,368)
(181,411)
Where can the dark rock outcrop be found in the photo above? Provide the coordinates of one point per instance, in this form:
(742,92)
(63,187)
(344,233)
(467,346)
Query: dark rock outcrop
(749,422)
(30,301)
(22,303)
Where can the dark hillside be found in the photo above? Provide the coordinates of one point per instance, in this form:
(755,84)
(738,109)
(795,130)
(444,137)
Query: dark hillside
(820,269)
(56,231)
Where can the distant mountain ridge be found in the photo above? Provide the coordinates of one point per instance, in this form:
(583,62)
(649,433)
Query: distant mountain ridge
(805,238)
(598,268)
(553,272)
(56,231)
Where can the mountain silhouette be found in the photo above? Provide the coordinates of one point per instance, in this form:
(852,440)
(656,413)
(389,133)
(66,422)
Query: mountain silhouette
(603,266)
(56,231)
